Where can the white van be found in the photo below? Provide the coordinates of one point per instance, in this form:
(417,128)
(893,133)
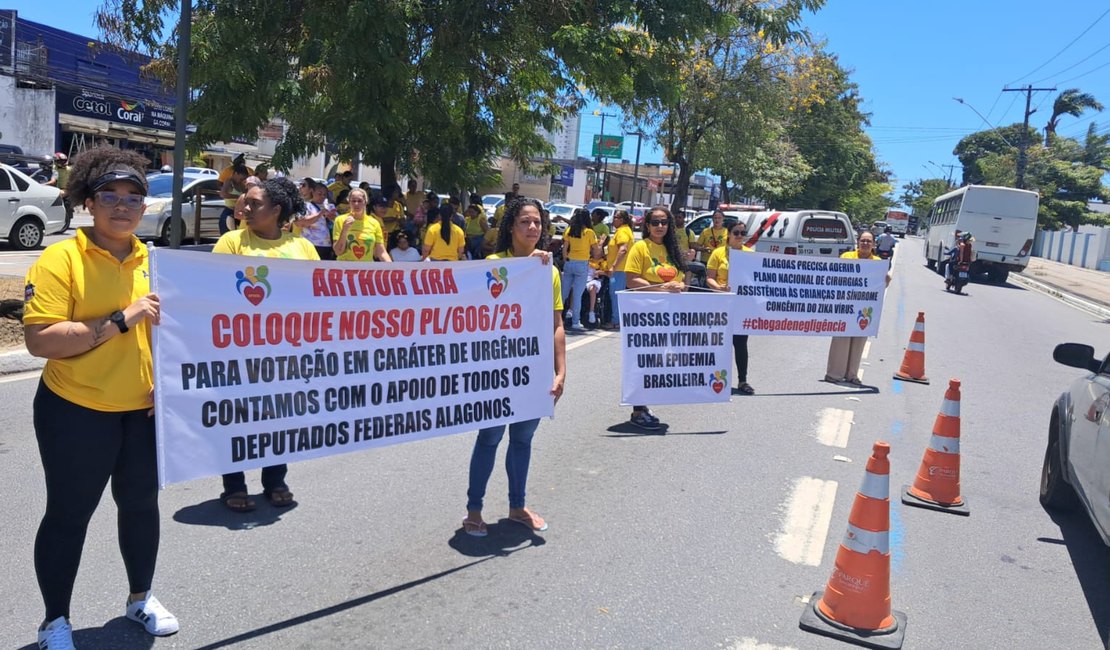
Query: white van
(821,233)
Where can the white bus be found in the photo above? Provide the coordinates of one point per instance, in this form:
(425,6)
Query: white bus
(1002,220)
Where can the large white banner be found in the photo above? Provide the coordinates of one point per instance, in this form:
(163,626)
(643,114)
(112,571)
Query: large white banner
(676,348)
(797,295)
(265,361)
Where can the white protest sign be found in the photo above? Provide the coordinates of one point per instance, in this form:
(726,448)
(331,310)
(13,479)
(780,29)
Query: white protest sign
(264,361)
(676,348)
(796,295)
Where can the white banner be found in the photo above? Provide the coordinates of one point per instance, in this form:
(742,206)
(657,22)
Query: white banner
(795,295)
(676,348)
(264,361)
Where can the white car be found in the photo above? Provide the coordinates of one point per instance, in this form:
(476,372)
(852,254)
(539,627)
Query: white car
(564,210)
(490,203)
(155,223)
(28,209)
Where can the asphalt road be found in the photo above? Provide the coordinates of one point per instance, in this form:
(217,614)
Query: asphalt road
(709,536)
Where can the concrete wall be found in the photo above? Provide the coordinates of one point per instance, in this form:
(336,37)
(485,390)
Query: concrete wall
(1089,248)
(27,118)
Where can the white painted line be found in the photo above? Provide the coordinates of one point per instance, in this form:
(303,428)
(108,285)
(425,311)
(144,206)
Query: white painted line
(833,427)
(748,643)
(866,349)
(33,374)
(860,374)
(589,338)
(806,523)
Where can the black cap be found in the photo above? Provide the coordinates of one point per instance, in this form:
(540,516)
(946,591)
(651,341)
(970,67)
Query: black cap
(380,202)
(119,174)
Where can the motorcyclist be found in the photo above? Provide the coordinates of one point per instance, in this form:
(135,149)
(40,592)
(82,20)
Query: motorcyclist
(885,243)
(959,254)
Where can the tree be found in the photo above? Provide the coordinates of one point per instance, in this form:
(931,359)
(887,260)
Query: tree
(919,195)
(972,147)
(1070,102)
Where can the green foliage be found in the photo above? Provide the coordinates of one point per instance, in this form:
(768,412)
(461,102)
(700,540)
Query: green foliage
(1001,141)
(919,195)
(1070,102)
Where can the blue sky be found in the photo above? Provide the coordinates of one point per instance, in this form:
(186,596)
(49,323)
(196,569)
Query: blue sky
(909,59)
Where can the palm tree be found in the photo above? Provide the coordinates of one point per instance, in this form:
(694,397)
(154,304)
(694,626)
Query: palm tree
(1070,102)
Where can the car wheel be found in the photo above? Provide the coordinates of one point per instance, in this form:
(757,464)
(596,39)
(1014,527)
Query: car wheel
(1056,493)
(164,239)
(26,234)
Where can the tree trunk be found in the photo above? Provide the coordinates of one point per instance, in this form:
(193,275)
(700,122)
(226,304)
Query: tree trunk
(681,185)
(388,166)
(725,196)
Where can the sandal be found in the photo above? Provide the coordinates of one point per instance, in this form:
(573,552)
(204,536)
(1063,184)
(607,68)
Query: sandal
(280,497)
(475,528)
(238,501)
(530,519)
(746,388)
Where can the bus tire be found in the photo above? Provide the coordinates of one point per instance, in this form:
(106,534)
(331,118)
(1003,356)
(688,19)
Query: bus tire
(929,262)
(998,275)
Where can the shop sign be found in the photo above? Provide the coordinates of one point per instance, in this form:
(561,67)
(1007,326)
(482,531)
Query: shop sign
(112,108)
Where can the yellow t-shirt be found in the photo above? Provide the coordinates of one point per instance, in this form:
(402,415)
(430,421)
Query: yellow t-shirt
(441,250)
(363,237)
(854,255)
(712,237)
(490,238)
(76,280)
(474,225)
(621,237)
(246,242)
(226,174)
(601,230)
(718,261)
(413,201)
(683,238)
(556,281)
(498,213)
(393,217)
(580,246)
(649,261)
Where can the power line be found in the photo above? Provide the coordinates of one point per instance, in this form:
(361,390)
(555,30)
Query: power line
(1065,48)
(1096,69)
(1074,65)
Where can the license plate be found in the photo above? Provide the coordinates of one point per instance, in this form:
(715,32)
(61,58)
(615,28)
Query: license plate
(963,275)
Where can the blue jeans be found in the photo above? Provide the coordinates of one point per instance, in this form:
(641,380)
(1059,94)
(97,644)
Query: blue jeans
(517,458)
(575,275)
(616,283)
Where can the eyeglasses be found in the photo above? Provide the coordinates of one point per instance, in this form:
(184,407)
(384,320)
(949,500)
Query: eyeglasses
(111,200)
(658,222)
(739,233)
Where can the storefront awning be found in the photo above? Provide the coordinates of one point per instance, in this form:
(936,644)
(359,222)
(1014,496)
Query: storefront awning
(108,129)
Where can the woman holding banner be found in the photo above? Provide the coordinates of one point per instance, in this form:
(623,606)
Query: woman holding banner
(88,310)
(655,263)
(846,352)
(523,233)
(716,276)
(268,207)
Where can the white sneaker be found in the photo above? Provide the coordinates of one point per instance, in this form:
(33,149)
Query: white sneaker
(153,616)
(57,635)
(592,318)
(577,327)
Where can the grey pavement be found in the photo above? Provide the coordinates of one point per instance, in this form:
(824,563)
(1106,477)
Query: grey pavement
(1086,289)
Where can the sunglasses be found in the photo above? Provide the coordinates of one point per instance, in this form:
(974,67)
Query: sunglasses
(658,222)
(111,200)
(739,233)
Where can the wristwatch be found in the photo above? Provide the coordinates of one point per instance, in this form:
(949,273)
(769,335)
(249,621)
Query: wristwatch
(118,319)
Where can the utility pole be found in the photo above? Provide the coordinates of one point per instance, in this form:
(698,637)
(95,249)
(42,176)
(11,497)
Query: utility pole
(180,116)
(1023,160)
(601,151)
(636,194)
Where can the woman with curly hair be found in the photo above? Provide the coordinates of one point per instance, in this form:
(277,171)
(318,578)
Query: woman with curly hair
(579,247)
(267,208)
(88,310)
(522,233)
(655,263)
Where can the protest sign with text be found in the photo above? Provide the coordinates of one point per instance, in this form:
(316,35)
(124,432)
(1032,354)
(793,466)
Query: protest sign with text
(797,295)
(265,361)
(676,348)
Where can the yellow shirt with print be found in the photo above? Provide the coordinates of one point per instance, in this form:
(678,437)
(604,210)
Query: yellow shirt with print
(580,246)
(648,260)
(718,261)
(76,280)
(556,281)
(246,242)
(621,237)
(712,238)
(363,237)
(441,250)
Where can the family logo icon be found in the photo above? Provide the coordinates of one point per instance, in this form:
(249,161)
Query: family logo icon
(718,380)
(497,281)
(252,284)
(863,318)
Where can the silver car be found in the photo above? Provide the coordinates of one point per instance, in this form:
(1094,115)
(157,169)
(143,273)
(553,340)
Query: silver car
(28,209)
(155,223)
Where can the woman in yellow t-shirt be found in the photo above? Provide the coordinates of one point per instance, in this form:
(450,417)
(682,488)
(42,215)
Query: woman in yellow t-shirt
(716,276)
(268,208)
(444,241)
(357,236)
(579,246)
(477,225)
(655,264)
(846,352)
(523,233)
(619,245)
(88,310)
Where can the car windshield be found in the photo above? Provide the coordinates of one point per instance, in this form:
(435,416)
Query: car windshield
(161,186)
(491,200)
(561,209)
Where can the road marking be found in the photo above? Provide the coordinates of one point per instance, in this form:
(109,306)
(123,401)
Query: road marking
(748,643)
(588,338)
(20,376)
(866,349)
(806,524)
(833,427)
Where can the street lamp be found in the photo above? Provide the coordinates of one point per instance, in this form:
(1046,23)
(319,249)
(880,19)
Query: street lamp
(600,143)
(985,120)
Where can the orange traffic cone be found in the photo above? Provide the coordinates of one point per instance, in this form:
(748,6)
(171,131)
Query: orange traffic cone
(855,606)
(937,486)
(913,363)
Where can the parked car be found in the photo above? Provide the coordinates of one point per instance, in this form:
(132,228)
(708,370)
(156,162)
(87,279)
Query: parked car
(821,233)
(28,209)
(203,171)
(1076,470)
(155,224)
(705,219)
(563,210)
(600,204)
(490,203)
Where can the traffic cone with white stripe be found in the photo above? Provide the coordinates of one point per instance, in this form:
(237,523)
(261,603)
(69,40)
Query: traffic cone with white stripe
(913,362)
(855,606)
(937,486)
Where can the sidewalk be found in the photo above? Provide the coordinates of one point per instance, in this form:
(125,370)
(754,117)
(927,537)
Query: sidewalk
(1082,288)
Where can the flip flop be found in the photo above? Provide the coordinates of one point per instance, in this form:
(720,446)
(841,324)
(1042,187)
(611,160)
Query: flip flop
(475,528)
(746,389)
(531,521)
(280,497)
(238,502)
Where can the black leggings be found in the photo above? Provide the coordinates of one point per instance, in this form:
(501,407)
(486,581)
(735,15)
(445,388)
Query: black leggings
(81,449)
(740,351)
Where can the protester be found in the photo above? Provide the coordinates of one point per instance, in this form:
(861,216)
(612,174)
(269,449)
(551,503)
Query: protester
(712,237)
(61,167)
(618,254)
(655,264)
(235,185)
(601,229)
(88,310)
(717,278)
(400,248)
(357,236)
(477,225)
(413,199)
(846,352)
(500,211)
(522,234)
(444,241)
(394,213)
(594,283)
(268,207)
(315,224)
(579,245)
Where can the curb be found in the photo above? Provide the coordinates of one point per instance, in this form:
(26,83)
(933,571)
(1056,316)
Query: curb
(1102,311)
(19,361)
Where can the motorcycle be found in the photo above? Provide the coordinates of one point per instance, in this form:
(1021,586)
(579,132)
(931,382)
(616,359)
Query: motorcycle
(886,255)
(959,273)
